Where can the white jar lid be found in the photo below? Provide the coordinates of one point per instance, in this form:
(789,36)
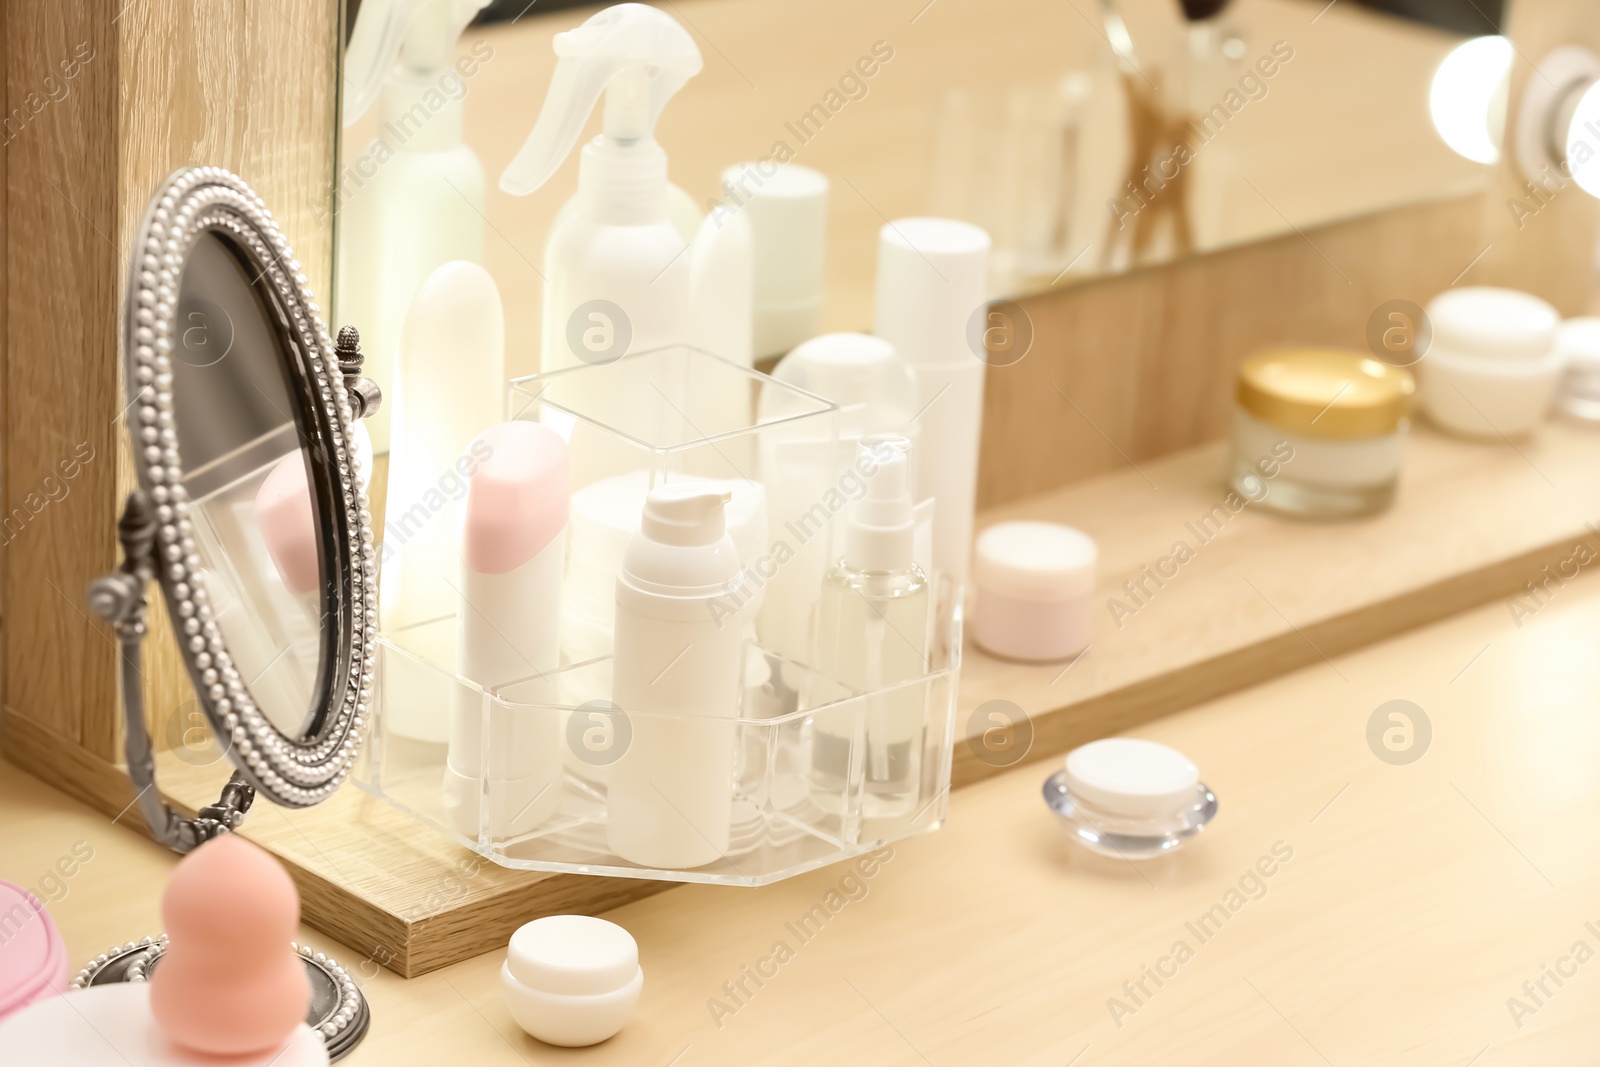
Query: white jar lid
(1578,340)
(1492,323)
(1036,560)
(573,955)
(1132,778)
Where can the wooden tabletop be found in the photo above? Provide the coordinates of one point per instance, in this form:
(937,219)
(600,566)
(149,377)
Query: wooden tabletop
(1405,907)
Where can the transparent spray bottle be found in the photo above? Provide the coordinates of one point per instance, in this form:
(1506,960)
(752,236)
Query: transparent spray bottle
(874,630)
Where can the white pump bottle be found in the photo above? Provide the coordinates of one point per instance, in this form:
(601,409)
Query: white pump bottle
(676,675)
(617,277)
(413,199)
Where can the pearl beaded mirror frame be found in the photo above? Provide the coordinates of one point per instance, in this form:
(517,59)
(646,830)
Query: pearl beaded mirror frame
(292,736)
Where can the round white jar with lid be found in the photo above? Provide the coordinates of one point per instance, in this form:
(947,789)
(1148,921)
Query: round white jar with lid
(1578,344)
(1319,432)
(1493,365)
(571,980)
(1129,798)
(1034,590)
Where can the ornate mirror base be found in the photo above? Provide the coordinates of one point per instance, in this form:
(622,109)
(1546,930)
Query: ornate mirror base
(338,1010)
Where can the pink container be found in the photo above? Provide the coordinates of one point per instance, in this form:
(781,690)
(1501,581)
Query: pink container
(1034,591)
(33,958)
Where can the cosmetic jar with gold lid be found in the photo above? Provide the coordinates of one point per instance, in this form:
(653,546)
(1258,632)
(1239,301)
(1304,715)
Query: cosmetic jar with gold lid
(1319,432)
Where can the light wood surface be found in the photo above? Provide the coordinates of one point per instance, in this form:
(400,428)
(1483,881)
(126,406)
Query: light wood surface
(1417,901)
(1264,596)
(1473,522)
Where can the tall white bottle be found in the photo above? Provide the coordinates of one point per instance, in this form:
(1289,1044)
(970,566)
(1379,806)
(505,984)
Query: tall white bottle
(676,677)
(450,386)
(616,269)
(932,281)
(508,633)
(413,197)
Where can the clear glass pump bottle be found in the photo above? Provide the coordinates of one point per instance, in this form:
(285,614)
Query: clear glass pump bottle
(874,631)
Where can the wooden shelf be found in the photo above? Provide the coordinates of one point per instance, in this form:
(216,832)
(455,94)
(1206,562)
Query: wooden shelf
(1264,596)
(1268,594)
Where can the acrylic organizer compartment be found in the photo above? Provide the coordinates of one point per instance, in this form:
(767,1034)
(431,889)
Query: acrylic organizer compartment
(806,767)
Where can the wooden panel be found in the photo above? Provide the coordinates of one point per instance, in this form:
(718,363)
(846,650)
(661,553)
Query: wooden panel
(146,88)
(249,87)
(59,389)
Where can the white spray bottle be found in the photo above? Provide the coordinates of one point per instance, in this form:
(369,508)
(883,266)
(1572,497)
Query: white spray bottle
(413,199)
(616,269)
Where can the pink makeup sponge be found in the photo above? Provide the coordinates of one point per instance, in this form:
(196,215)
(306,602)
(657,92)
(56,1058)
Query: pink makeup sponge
(288,524)
(229,984)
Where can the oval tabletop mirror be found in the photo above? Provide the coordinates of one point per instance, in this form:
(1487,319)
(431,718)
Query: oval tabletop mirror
(249,510)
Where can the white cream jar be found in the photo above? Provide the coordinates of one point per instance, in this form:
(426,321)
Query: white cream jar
(1319,432)
(1493,365)
(1033,597)
(571,980)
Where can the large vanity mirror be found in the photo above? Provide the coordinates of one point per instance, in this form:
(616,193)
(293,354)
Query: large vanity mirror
(250,512)
(1088,137)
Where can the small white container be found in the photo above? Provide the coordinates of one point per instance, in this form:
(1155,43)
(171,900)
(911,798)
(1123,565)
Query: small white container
(1034,590)
(1318,432)
(1130,799)
(1493,366)
(571,980)
(1578,344)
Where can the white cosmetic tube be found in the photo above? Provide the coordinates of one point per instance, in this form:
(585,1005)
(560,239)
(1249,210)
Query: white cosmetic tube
(932,280)
(513,540)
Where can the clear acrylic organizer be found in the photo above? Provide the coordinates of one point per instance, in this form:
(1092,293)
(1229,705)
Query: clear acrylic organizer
(802,752)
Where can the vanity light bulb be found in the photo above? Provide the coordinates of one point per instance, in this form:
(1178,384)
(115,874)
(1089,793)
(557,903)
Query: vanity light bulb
(1583,141)
(1468,98)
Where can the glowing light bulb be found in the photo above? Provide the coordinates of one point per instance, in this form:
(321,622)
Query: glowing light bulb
(1468,97)
(1583,141)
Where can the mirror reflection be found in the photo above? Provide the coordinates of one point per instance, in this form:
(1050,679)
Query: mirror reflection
(247,465)
(1086,138)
